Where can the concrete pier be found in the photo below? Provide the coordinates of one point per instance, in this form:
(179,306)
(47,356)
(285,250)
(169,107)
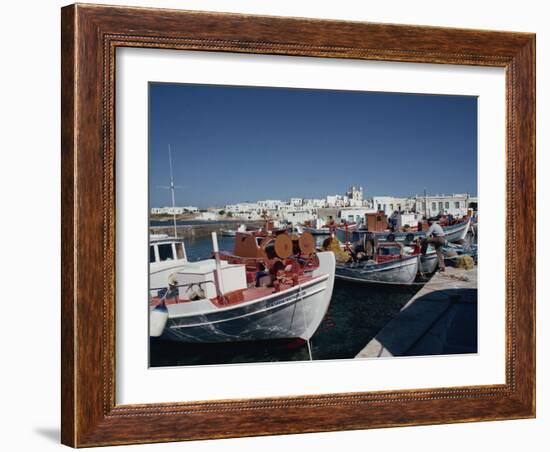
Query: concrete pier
(441,318)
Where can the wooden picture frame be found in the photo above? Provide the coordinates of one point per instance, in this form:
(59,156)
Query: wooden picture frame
(90,36)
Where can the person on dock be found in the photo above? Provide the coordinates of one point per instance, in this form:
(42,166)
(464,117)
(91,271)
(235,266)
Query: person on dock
(435,236)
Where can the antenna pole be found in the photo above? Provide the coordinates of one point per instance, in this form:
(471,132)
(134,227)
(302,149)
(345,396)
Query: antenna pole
(425,204)
(172,189)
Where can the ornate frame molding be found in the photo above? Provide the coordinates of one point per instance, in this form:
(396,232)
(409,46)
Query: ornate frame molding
(90,37)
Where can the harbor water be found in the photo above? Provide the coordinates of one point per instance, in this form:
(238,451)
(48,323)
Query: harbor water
(355,315)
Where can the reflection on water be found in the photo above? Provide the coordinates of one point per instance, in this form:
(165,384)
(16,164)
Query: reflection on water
(356,313)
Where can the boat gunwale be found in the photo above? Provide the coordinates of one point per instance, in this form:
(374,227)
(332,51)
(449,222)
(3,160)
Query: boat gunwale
(314,280)
(401,234)
(248,314)
(379,264)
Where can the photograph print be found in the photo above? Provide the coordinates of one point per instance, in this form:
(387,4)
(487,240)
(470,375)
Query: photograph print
(305,224)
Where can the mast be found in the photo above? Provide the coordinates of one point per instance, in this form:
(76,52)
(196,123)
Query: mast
(172,187)
(425,204)
(173,191)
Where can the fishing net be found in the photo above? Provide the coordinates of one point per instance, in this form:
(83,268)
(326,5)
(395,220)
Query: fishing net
(334,245)
(450,253)
(466,262)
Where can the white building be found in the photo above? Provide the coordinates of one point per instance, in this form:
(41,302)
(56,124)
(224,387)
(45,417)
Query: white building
(408,219)
(354,197)
(316,203)
(244,210)
(253,215)
(390,204)
(173,210)
(432,205)
(210,216)
(243,207)
(286,208)
(356,214)
(270,204)
(328,214)
(335,201)
(299,216)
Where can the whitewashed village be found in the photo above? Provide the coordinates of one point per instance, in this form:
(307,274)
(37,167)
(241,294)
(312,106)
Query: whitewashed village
(350,207)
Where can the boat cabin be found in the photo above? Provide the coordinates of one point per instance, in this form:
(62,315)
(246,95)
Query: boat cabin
(166,249)
(377,222)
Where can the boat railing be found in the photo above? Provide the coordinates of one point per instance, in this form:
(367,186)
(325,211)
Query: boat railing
(172,291)
(234,256)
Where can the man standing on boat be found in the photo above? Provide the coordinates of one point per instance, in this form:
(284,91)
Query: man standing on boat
(436,236)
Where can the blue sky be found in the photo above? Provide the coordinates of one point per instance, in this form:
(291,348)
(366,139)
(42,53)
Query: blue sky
(233,144)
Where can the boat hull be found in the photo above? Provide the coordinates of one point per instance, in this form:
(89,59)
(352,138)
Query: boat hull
(428,263)
(454,233)
(399,271)
(315,231)
(294,313)
(458,232)
(350,228)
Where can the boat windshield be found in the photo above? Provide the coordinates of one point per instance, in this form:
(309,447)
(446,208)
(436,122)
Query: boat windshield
(165,252)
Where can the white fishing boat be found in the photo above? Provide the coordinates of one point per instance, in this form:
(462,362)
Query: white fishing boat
(401,271)
(318,227)
(453,233)
(428,262)
(166,254)
(321,228)
(348,227)
(389,263)
(457,232)
(232,232)
(317,231)
(218,300)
